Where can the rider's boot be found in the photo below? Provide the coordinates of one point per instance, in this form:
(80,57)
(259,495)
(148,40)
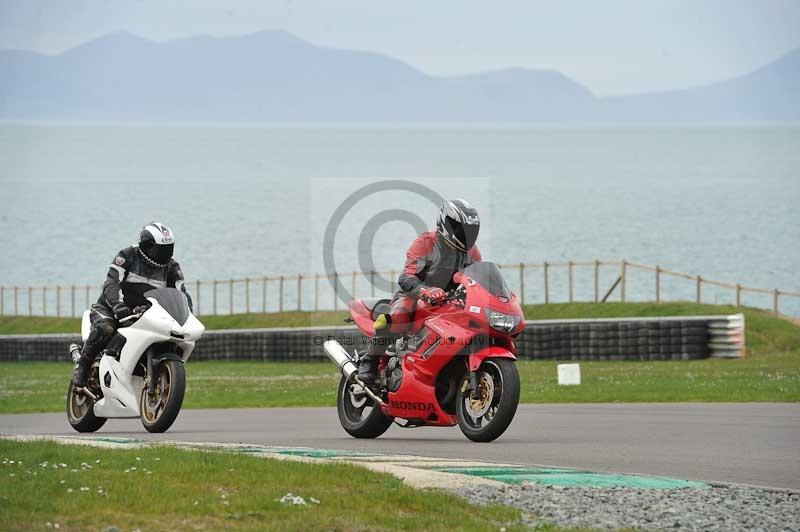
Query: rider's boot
(80,374)
(368,365)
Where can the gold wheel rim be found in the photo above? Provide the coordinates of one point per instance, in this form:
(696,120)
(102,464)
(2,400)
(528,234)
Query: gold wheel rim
(153,406)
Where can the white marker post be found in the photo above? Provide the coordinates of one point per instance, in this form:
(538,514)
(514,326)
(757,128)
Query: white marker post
(569,374)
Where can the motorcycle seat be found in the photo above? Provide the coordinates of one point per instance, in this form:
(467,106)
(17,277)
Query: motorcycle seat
(377,306)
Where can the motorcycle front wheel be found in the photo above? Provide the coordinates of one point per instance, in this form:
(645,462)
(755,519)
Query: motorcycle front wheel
(160,408)
(80,412)
(483,415)
(359,416)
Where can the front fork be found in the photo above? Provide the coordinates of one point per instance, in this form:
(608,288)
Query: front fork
(470,385)
(149,381)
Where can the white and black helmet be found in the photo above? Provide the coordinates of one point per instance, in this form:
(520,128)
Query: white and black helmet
(458,223)
(156,243)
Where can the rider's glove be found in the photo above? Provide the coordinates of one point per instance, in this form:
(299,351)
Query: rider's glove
(121,311)
(140,310)
(432,294)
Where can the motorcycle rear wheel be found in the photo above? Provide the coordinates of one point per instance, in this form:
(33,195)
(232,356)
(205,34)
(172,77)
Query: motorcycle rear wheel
(80,412)
(485,417)
(356,420)
(159,411)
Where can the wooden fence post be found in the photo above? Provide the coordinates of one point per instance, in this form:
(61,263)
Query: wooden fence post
(44,300)
(86,296)
(336,291)
(247,295)
(569,269)
(30,301)
(546,283)
(72,301)
(596,280)
(299,291)
(775,294)
(264,294)
(316,291)
(2,300)
(214,297)
(738,295)
(197,296)
(623,276)
(522,281)
(658,284)
(230,296)
(699,282)
(58,301)
(372,283)
(280,296)
(353,294)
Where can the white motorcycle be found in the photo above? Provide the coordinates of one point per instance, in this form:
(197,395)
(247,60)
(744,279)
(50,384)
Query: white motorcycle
(140,373)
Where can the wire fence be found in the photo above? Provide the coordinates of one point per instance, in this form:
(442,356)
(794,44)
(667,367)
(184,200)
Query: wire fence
(546,282)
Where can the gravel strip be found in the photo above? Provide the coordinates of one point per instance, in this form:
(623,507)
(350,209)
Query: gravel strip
(728,508)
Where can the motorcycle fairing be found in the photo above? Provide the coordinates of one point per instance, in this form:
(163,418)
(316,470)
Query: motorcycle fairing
(121,397)
(156,325)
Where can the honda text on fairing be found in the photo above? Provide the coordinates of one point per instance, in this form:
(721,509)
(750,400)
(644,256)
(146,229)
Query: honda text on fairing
(455,366)
(141,371)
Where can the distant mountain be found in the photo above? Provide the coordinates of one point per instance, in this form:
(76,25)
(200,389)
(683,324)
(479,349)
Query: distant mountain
(769,93)
(272,76)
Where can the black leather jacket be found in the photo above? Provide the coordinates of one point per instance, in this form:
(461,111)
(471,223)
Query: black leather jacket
(130,275)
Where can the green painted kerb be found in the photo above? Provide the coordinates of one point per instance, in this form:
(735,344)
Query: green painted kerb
(321,453)
(129,441)
(571,477)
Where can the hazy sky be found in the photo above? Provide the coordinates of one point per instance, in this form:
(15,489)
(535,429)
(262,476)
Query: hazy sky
(612,46)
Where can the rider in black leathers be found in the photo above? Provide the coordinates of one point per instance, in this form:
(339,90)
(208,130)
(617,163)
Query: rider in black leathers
(134,271)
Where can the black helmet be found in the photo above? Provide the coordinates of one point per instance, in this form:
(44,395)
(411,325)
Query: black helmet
(458,223)
(156,243)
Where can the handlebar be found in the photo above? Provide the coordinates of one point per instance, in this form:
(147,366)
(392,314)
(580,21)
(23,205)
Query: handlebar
(451,296)
(137,313)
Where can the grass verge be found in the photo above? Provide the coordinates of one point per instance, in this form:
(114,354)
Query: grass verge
(72,487)
(41,386)
(771,371)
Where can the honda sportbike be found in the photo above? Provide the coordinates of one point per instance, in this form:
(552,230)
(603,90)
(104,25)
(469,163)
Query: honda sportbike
(456,365)
(141,372)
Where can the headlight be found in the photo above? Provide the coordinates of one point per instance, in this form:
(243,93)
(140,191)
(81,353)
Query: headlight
(502,322)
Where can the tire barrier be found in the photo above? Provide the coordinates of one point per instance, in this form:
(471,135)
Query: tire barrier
(680,338)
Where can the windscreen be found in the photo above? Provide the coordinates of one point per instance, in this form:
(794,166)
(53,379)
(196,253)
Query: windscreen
(173,301)
(488,275)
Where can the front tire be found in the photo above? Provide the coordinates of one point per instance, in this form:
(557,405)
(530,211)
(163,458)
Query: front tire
(159,411)
(486,416)
(359,416)
(80,412)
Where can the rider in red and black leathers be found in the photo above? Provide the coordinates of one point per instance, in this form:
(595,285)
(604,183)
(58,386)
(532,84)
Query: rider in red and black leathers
(134,271)
(431,261)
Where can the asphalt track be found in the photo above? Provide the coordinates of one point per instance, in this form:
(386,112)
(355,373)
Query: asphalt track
(747,443)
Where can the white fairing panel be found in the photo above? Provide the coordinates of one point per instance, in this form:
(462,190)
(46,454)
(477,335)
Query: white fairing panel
(86,325)
(122,394)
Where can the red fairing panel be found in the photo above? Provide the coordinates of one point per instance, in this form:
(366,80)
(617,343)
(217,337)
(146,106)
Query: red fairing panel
(362,317)
(493,351)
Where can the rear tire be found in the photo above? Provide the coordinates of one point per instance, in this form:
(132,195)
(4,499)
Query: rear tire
(353,416)
(159,412)
(486,418)
(80,412)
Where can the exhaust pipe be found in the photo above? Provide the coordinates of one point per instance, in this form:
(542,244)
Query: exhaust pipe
(341,358)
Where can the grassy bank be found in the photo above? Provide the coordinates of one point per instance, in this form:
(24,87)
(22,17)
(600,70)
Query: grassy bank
(41,386)
(759,322)
(70,487)
(771,371)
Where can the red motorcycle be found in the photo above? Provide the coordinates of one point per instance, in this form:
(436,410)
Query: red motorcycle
(455,366)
